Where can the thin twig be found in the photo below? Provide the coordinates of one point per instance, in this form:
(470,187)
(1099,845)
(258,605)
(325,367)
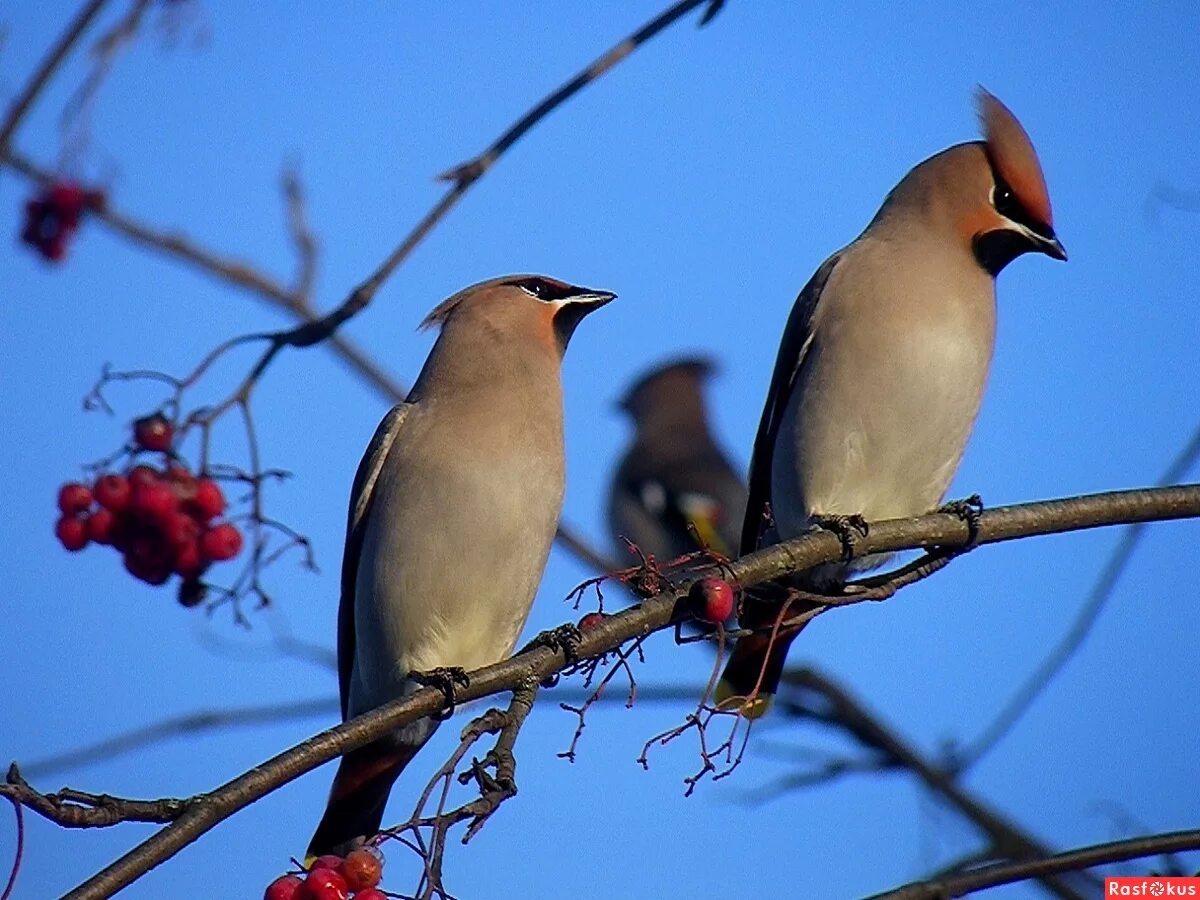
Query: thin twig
(79,809)
(41,77)
(1102,591)
(187,724)
(819,698)
(19,812)
(654,614)
(1071,861)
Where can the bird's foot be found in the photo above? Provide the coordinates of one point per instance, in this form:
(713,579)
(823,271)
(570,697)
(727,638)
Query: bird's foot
(967,509)
(847,528)
(566,638)
(446,679)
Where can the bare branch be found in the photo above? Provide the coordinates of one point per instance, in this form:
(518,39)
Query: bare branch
(656,613)
(78,809)
(41,77)
(1071,861)
(1039,680)
(821,699)
(188,723)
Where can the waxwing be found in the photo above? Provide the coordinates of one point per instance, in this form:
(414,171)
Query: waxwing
(452,513)
(674,491)
(882,364)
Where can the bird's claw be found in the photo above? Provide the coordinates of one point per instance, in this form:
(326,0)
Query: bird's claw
(967,509)
(446,679)
(847,528)
(566,638)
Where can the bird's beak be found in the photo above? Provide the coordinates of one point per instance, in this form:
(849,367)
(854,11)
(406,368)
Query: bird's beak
(571,310)
(1051,246)
(588,299)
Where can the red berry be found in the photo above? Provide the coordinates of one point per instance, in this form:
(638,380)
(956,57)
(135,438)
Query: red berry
(591,620)
(192,592)
(155,502)
(712,600)
(112,492)
(328,861)
(221,543)
(370,894)
(362,868)
(74,497)
(180,529)
(100,525)
(72,533)
(67,198)
(146,571)
(183,481)
(189,561)
(285,887)
(144,475)
(323,884)
(153,432)
(208,501)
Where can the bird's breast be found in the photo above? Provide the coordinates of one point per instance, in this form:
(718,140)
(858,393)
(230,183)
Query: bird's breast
(882,406)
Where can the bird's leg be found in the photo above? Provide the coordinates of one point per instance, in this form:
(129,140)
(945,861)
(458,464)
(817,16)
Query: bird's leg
(847,528)
(444,678)
(967,509)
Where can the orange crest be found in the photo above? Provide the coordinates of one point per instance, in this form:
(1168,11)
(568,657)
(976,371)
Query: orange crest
(1013,157)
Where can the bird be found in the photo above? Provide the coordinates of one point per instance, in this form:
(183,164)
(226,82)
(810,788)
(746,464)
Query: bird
(882,366)
(675,491)
(452,513)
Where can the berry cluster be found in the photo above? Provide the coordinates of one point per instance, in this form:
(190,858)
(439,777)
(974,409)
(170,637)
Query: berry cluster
(160,520)
(52,217)
(334,878)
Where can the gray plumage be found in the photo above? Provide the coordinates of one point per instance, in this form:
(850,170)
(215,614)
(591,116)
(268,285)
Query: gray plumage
(452,514)
(884,359)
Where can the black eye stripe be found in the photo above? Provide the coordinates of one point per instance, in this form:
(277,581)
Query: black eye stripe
(1005,201)
(544,289)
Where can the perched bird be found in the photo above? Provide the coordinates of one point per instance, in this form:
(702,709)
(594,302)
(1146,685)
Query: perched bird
(883,362)
(674,490)
(452,514)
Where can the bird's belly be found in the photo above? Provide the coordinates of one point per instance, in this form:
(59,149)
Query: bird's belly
(450,584)
(883,443)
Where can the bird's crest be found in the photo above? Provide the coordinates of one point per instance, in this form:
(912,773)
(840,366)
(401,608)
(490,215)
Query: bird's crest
(440,313)
(1012,156)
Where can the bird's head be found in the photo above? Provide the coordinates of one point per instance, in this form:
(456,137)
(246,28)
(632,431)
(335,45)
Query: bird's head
(667,386)
(525,307)
(991,192)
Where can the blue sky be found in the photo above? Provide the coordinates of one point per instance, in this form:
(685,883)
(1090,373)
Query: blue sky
(703,180)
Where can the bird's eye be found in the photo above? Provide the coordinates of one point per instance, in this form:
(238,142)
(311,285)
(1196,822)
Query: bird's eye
(544,289)
(1005,201)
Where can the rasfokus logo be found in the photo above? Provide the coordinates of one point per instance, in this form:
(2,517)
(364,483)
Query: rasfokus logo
(1151,886)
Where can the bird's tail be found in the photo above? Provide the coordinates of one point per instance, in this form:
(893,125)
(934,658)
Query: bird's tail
(751,677)
(359,794)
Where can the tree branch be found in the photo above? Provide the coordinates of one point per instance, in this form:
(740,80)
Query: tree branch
(654,614)
(836,706)
(1047,670)
(1071,861)
(41,77)
(78,809)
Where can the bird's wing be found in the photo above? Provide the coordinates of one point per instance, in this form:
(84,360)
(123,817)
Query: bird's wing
(797,336)
(361,496)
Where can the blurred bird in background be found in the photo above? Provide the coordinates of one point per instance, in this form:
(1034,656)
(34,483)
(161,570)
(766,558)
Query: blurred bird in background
(674,491)
(882,366)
